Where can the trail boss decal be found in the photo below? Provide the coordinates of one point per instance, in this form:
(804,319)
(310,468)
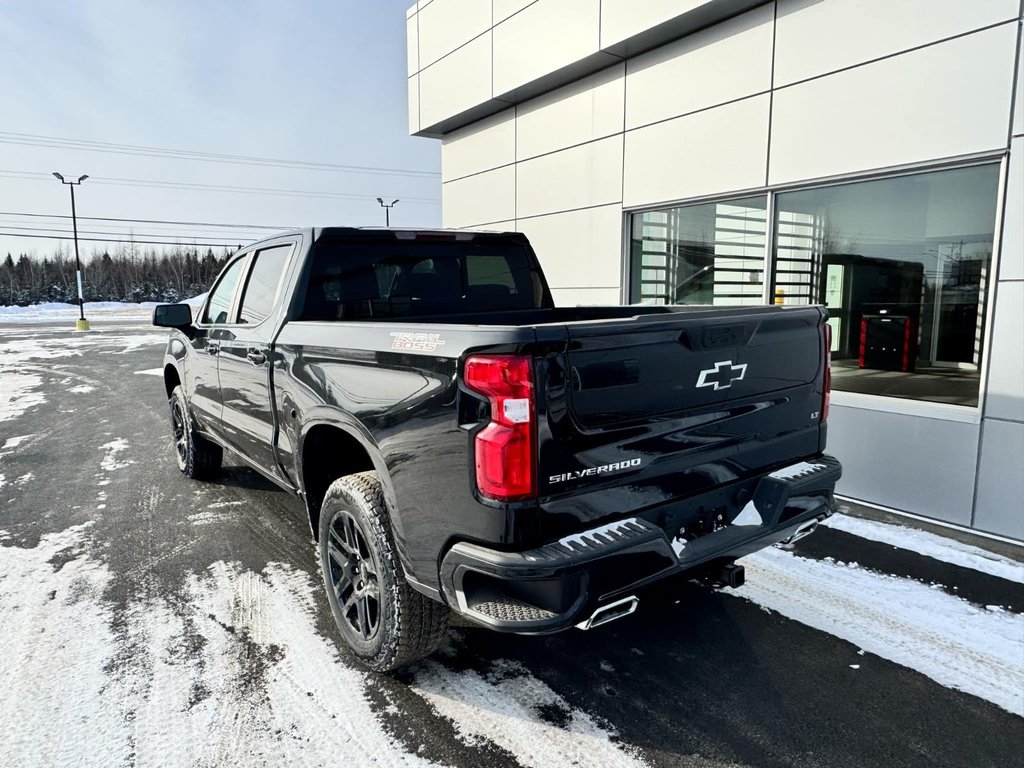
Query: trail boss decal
(417,342)
(604,469)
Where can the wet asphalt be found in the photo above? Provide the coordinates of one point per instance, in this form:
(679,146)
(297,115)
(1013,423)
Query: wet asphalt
(696,677)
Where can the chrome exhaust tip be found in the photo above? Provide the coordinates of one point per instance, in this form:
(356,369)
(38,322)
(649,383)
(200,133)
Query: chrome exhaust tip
(804,530)
(610,612)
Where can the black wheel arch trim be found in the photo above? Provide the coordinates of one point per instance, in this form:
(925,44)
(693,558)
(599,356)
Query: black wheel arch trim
(331,416)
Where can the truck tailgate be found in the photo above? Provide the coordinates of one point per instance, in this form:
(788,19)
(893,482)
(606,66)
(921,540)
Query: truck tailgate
(646,412)
(688,362)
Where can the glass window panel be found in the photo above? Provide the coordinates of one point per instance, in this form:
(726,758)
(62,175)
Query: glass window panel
(902,265)
(219,305)
(711,253)
(261,287)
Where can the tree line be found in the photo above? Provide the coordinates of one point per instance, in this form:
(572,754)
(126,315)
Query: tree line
(129,274)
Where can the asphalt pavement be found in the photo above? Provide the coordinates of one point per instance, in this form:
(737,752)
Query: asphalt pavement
(149,619)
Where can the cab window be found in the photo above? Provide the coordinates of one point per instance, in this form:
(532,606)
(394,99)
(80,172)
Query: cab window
(218,308)
(261,286)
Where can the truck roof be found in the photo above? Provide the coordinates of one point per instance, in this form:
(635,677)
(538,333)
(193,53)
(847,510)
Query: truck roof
(399,233)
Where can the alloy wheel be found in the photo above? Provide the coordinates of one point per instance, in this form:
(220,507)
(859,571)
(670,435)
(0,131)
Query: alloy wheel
(354,575)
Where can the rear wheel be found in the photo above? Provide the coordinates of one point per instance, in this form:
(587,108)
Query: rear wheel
(382,619)
(197,457)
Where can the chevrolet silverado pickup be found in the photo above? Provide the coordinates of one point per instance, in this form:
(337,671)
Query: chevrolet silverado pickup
(463,446)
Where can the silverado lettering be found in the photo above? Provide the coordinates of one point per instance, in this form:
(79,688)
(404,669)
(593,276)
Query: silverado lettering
(578,473)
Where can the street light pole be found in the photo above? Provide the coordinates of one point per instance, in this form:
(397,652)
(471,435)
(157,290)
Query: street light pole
(387,210)
(81,324)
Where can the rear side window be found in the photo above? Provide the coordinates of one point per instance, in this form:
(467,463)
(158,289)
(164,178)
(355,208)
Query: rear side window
(375,279)
(219,305)
(261,287)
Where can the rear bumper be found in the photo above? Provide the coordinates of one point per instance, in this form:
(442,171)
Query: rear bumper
(560,585)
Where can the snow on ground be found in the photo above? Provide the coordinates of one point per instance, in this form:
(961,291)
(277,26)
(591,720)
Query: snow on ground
(110,461)
(235,675)
(150,372)
(507,706)
(17,393)
(14,442)
(930,544)
(19,372)
(952,641)
(55,311)
(94,310)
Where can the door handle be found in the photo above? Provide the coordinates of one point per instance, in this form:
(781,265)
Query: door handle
(212,349)
(256,357)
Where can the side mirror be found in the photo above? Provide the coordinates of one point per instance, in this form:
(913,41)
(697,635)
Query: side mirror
(173,316)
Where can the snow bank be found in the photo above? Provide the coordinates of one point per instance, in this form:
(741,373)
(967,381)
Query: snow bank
(955,643)
(931,545)
(56,306)
(99,310)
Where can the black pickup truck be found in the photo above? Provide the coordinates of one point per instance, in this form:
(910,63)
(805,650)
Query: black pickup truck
(463,445)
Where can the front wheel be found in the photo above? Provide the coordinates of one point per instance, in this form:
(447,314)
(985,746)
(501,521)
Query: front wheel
(385,622)
(198,458)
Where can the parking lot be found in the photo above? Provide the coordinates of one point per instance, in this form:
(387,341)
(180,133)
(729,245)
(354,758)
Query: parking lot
(151,620)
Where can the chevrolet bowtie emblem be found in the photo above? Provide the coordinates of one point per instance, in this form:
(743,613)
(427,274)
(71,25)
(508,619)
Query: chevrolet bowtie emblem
(722,375)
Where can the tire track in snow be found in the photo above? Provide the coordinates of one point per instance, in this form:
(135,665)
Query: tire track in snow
(955,643)
(228,670)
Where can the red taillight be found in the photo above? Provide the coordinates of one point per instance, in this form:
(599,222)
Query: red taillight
(505,448)
(827,396)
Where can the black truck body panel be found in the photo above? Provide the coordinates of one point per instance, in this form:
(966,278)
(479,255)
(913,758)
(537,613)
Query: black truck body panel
(655,427)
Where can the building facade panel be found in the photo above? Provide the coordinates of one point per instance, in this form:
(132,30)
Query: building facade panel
(487,144)
(579,177)
(622,19)
(445,25)
(502,9)
(1006,367)
(710,152)
(412,44)
(581,112)
(1011,263)
(594,297)
(1018,110)
(578,248)
(414,103)
(935,469)
(481,199)
(880,115)
(1000,479)
(722,63)
(871,187)
(814,38)
(555,32)
(457,82)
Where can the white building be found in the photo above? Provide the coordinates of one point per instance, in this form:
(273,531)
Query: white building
(865,154)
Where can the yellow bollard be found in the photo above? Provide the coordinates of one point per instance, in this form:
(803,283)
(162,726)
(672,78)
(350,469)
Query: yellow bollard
(81,325)
(780,296)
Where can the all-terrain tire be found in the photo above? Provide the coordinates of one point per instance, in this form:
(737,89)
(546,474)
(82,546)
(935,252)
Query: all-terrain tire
(408,624)
(198,458)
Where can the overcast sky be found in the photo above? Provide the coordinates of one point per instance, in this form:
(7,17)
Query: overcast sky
(312,80)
